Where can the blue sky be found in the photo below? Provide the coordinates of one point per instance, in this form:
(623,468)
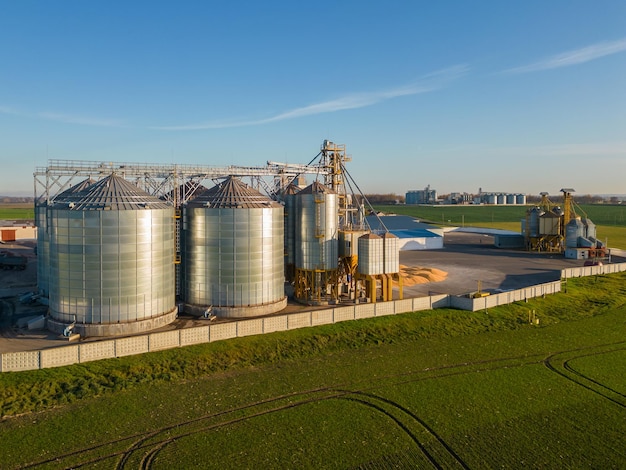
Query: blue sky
(508,96)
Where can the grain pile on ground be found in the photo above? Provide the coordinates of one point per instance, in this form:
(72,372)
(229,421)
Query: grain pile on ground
(412,275)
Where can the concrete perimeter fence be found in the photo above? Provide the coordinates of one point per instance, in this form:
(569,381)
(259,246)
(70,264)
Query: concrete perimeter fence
(107,349)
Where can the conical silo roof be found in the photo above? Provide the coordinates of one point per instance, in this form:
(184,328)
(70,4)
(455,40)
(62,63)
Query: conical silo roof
(232,193)
(74,189)
(113,193)
(316,188)
(291,189)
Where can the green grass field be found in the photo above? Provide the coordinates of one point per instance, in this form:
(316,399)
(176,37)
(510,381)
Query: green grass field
(17,211)
(610,220)
(443,388)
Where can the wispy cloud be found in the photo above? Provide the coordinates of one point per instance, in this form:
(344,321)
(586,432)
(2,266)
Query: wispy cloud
(61,117)
(82,120)
(577,56)
(425,84)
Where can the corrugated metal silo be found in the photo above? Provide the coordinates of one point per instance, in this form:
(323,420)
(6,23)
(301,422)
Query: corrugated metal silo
(590,229)
(317,233)
(500,199)
(550,224)
(43,239)
(290,230)
(533,221)
(43,248)
(317,245)
(233,253)
(510,199)
(520,199)
(370,255)
(573,230)
(391,253)
(111,260)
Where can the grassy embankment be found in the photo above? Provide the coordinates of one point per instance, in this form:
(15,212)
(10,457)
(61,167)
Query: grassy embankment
(610,220)
(479,390)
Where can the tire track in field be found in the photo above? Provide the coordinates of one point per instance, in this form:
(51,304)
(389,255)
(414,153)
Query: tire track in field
(141,440)
(559,363)
(439,443)
(152,450)
(571,369)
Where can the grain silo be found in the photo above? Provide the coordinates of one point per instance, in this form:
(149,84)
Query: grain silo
(391,253)
(43,239)
(371,261)
(574,230)
(111,260)
(316,244)
(233,253)
(289,197)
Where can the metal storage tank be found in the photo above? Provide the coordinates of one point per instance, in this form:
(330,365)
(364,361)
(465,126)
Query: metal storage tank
(111,260)
(233,252)
(492,199)
(317,245)
(43,239)
(349,242)
(533,221)
(573,230)
(510,199)
(520,199)
(43,248)
(550,224)
(316,235)
(590,229)
(501,199)
(371,261)
(391,253)
(290,230)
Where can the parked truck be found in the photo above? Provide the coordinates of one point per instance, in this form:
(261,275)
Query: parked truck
(9,260)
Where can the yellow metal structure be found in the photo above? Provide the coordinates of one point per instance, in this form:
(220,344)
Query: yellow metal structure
(551,232)
(316,286)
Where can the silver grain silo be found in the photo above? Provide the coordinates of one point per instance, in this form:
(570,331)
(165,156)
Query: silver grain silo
(317,246)
(43,239)
(533,221)
(370,255)
(290,230)
(550,224)
(111,260)
(391,253)
(317,231)
(510,199)
(573,230)
(501,199)
(520,199)
(590,229)
(233,253)
(43,247)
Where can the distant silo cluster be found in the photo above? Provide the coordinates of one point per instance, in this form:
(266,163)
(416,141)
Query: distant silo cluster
(502,198)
